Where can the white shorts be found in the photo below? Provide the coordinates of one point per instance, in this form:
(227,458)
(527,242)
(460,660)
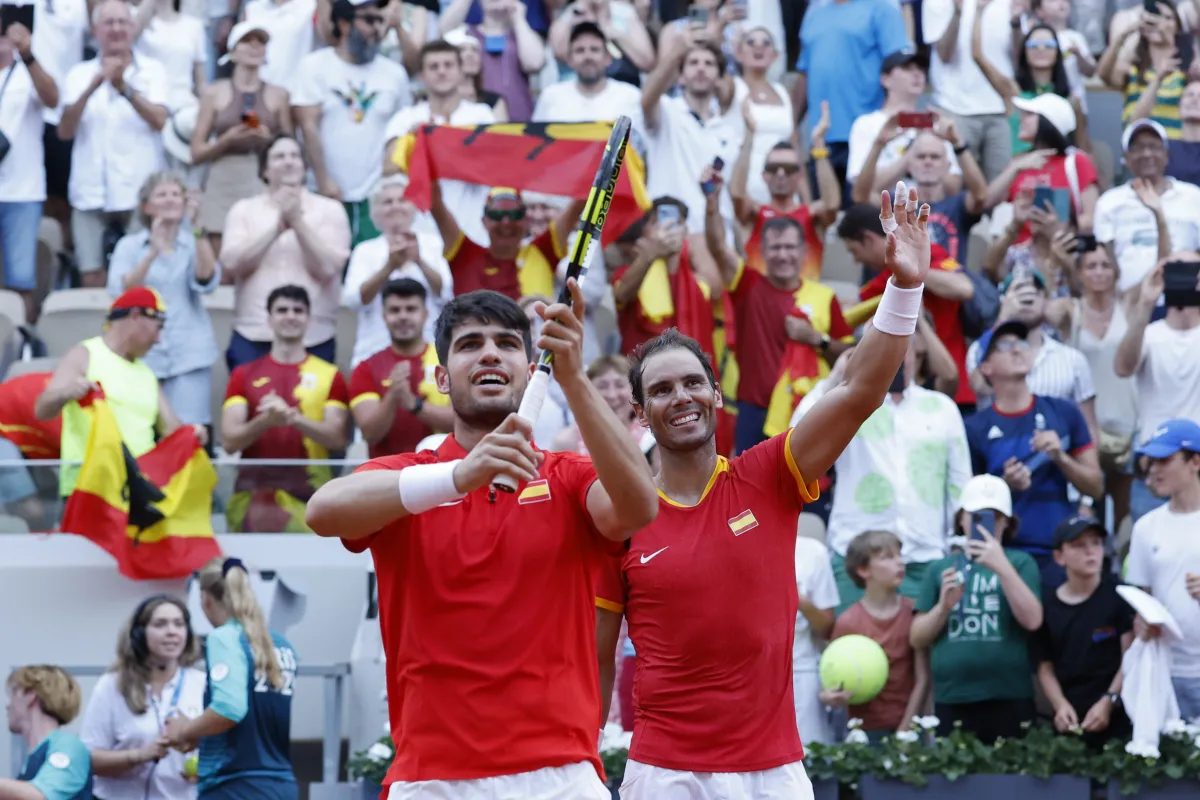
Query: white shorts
(644,782)
(571,782)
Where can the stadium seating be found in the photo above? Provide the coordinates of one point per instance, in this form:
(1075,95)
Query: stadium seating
(71,315)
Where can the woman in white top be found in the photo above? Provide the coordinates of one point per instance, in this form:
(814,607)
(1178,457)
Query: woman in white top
(125,720)
(769,103)
(177,42)
(1094,324)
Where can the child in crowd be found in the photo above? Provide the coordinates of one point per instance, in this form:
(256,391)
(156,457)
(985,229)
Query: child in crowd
(1086,629)
(874,563)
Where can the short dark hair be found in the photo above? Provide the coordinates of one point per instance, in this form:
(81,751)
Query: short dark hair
(289,291)
(667,200)
(587,28)
(781,224)
(404,287)
(864,547)
(438,46)
(670,339)
(785,145)
(1050,137)
(266,151)
(715,50)
(483,306)
(859,220)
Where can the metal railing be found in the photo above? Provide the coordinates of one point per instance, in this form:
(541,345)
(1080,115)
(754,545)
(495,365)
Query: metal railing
(334,680)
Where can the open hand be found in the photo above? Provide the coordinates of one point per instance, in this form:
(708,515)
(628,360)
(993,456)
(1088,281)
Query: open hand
(907,255)
(504,451)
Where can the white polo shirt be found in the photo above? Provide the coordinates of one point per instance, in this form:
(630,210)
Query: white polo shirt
(902,472)
(1124,221)
(115,149)
(108,724)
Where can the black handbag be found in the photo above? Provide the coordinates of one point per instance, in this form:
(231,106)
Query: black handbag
(5,144)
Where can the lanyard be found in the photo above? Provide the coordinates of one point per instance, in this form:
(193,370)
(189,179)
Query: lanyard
(174,705)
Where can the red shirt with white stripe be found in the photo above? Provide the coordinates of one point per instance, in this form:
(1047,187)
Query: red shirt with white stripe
(489,625)
(710,595)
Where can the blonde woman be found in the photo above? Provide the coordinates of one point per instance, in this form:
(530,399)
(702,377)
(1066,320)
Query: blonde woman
(245,732)
(151,681)
(41,700)
(171,255)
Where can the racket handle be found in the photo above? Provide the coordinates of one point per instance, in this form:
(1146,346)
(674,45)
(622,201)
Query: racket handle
(530,410)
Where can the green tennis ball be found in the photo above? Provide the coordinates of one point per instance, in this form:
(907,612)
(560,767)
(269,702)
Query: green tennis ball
(855,664)
(191,767)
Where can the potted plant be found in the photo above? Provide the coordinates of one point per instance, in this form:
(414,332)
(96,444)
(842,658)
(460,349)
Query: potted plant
(369,767)
(1172,770)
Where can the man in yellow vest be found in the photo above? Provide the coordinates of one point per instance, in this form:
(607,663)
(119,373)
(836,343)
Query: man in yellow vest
(113,362)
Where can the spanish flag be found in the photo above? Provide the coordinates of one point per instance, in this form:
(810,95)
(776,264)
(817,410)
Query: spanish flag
(152,514)
(798,374)
(549,157)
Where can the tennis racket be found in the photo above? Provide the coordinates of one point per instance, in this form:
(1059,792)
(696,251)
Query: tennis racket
(591,223)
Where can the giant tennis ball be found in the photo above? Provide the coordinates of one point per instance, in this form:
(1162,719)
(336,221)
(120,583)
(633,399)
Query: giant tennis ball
(191,767)
(856,664)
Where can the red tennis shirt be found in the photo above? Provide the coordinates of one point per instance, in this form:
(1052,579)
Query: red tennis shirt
(489,625)
(709,592)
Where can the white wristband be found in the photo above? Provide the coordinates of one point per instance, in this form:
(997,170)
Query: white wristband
(898,310)
(426,486)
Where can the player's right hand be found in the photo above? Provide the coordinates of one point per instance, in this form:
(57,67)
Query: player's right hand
(952,589)
(504,451)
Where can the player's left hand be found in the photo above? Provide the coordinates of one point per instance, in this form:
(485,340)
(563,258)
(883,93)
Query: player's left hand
(562,334)
(986,551)
(907,256)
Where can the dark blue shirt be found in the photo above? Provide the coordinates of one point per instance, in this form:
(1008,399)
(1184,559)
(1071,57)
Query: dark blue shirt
(949,224)
(258,745)
(994,438)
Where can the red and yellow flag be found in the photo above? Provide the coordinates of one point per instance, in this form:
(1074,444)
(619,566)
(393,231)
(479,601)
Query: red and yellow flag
(549,157)
(152,514)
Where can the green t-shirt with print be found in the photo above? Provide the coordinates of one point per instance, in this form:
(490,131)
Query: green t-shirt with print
(982,653)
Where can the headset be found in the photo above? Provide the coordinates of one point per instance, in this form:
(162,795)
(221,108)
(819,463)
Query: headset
(137,629)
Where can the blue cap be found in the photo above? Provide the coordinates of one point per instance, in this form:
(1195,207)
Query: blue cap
(1010,328)
(1171,437)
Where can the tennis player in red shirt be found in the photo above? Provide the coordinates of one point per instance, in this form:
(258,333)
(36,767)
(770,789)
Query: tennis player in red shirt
(709,589)
(487,599)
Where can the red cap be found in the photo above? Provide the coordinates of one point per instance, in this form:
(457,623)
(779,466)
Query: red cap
(138,297)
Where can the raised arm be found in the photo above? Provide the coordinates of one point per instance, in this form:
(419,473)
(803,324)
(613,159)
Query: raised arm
(1005,86)
(821,436)
(1139,309)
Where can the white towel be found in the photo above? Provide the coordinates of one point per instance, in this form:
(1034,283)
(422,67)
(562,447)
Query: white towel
(1147,693)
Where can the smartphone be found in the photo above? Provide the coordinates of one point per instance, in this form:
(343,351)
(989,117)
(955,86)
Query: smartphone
(1085,243)
(1186,47)
(1035,461)
(708,187)
(697,16)
(667,215)
(1181,284)
(899,383)
(985,519)
(1150,6)
(494,45)
(22,15)
(915,119)
(1058,199)
(249,114)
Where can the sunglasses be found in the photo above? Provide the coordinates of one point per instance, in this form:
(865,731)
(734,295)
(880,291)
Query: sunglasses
(787,169)
(759,42)
(1032,45)
(153,313)
(1011,345)
(499,215)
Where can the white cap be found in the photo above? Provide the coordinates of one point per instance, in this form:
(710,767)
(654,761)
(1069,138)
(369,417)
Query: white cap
(1057,110)
(986,492)
(177,133)
(431,442)
(239,32)
(1141,125)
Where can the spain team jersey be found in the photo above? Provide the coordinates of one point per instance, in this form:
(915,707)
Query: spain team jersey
(474,267)
(814,246)
(371,380)
(486,606)
(309,386)
(709,592)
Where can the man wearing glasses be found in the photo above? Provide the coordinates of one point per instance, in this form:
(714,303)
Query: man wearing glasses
(342,100)
(509,264)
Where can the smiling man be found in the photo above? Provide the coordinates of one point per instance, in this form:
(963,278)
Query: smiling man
(709,589)
(486,597)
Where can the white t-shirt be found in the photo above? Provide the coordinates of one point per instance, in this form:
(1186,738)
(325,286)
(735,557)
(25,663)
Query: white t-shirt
(815,581)
(178,45)
(1168,377)
(365,260)
(1164,548)
(863,133)
(465,200)
(960,86)
(108,724)
(115,150)
(357,101)
(58,34)
(23,172)
(290,25)
(563,102)
(681,146)
(1122,219)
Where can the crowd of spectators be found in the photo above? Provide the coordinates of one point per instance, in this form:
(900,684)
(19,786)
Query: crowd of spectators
(183,146)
